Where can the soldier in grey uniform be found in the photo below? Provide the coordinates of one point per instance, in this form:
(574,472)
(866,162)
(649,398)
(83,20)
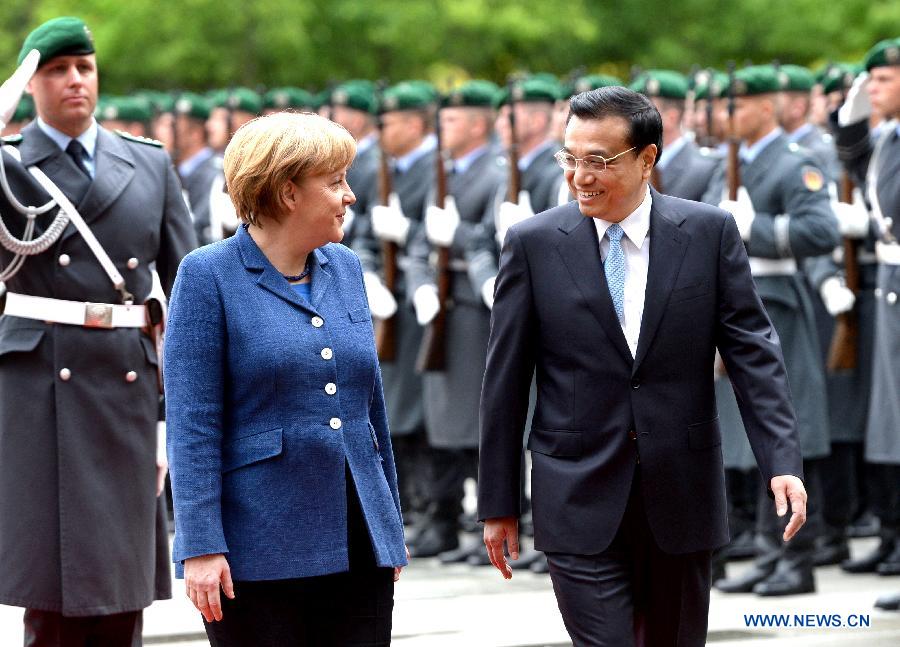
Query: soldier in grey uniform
(82,525)
(406,137)
(196,161)
(353,106)
(784,216)
(874,162)
(795,102)
(451,395)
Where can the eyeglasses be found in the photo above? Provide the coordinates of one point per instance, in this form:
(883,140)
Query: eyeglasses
(591,162)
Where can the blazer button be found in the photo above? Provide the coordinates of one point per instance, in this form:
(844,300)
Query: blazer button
(64,260)
(632,434)
(335,423)
(131,376)
(65,374)
(318,322)
(635,383)
(331,388)
(327,353)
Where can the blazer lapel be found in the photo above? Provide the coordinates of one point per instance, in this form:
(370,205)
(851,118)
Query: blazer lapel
(667,247)
(580,252)
(320,276)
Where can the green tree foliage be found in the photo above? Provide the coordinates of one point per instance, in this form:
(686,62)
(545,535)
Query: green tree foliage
(197,44)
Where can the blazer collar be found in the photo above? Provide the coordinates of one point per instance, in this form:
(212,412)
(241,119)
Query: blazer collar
(271,279)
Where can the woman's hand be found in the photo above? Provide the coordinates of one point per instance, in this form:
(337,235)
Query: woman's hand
(202,577)
(398,569)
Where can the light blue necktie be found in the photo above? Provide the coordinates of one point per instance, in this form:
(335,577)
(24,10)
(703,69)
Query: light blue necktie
(614,268)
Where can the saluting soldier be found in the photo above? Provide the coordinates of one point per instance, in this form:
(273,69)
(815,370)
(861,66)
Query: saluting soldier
(82,525)
(783,215)
(463,225)
(407,139)
(353,106)
(683,169)
(874,161)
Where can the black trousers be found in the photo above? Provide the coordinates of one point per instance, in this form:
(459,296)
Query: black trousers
(351,609)
(52,629)
(450,469)
(633,594)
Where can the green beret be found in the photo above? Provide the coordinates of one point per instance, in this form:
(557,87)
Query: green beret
(666,84)
(192,105)
(756,79)
(65,36)
(408,95)
(794,78)
(884,54)
(25,109)
(243,99)
(284,98)
(161,102)
(710,82)
(837,76)
(123,109)
(531,90)
(358,95)
(590,82)
(472,94)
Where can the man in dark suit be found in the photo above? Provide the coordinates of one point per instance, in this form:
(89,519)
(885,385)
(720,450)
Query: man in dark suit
(619,301)
(82,526)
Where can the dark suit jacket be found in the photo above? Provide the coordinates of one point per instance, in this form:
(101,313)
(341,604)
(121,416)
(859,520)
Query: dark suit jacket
(598,409)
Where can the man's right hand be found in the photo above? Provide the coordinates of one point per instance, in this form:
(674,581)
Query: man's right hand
(498,531)
(202,577)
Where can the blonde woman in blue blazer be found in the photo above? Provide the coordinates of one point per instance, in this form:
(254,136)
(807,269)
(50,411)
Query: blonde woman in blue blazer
(282,472)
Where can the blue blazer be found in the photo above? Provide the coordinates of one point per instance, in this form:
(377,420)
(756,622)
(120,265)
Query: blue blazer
(267,399)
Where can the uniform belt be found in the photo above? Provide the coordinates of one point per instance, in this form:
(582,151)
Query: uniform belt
(75,313)
(888,253)
(772,266)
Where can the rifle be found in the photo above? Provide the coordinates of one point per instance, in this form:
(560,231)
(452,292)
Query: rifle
(515,176)
(710,114)
(386,330)
(844,349)
(433,351)
(734,142)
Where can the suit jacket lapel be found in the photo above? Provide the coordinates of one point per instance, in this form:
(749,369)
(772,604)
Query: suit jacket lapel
(320,276)
(580,252)
(667,247)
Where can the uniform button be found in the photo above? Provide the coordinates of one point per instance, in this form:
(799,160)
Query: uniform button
(64,260)
(632,434)
(130,376)
(331,388)
(878,293)
(335,423)
(65,374)
(635,383)
(318,322)
(891,298)
(327,353)
(133,263)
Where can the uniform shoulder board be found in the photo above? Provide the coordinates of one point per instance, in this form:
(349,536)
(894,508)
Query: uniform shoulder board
(13,140)
(139,140)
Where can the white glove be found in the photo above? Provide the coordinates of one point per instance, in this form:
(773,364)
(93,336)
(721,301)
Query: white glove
(487,292)
(348,219)
(836,296)
(743,212)
(509,214)
(441,224)
(389,223)
(162,461)
(382,303)
(426,303)
(853,218)
(857,105)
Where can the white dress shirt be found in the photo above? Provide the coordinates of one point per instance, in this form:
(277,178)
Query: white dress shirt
(636,247)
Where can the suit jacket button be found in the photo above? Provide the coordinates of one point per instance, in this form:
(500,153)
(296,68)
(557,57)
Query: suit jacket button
(632,434)
(327,353)
(64,260)
(65,374)
(317,322)
(331,388)
(635,383)
(335,423)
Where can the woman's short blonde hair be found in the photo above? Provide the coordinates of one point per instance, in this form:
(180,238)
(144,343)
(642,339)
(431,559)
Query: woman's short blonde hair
(269,151)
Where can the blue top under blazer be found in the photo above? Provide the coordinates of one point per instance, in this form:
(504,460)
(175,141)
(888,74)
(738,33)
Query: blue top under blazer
(268,398)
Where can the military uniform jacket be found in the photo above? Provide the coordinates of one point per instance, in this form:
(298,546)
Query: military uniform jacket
(197,185)
(451,396)
(402,385)
(362,176)
(79,527)
(855,149)
(792,221)
(821,146)
(688,174)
